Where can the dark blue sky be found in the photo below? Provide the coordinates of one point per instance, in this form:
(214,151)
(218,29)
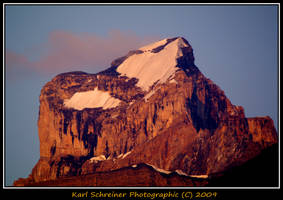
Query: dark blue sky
(234,46)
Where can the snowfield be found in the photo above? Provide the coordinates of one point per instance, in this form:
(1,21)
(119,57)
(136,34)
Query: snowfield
(149,67)
(91,99)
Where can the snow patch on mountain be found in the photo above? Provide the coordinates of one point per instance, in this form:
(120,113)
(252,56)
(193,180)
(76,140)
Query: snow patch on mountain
(199,176)
(122,156)
(91,99)
(159,169)
(126,154)
(180,172)
(96,159)
(149,67)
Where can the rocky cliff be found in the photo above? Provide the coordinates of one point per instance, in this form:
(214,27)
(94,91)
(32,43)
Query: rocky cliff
(152,106)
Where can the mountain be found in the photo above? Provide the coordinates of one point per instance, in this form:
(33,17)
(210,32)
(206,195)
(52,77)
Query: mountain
(152,107)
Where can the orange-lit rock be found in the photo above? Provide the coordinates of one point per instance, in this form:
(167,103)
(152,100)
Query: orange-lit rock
(186,123)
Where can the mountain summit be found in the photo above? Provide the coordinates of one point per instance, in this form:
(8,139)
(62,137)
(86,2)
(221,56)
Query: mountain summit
(152,109)
(154,63)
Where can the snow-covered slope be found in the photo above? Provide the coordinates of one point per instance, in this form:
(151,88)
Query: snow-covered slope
(91,99)
(156,64)
(153,66)
(151,46)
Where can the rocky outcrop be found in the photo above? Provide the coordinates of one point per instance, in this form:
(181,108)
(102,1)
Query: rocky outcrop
(182,122)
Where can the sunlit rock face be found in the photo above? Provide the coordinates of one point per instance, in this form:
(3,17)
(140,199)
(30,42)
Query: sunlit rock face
(151,106)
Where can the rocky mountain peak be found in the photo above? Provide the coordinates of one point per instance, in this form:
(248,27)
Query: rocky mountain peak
(152,106)
(156,62)
(155,47)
